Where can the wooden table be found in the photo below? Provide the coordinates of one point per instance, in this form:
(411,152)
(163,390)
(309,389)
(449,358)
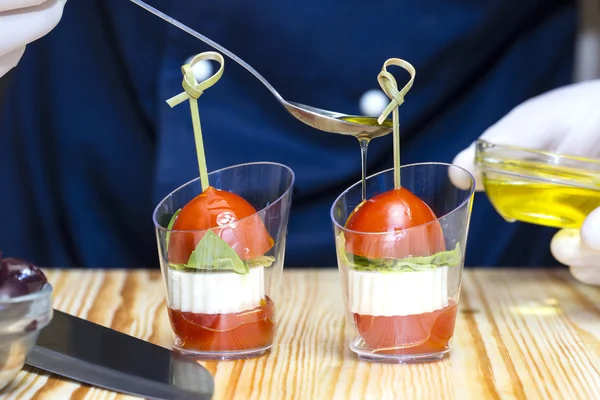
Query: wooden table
(520,334)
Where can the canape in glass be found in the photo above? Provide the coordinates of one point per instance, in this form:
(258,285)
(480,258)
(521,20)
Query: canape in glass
(222,283)
(401,286)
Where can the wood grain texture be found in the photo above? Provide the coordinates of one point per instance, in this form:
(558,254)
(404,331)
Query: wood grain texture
(520,334)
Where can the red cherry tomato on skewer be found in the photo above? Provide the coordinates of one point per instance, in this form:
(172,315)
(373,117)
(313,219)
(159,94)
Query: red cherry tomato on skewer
(219,210)
(413,229)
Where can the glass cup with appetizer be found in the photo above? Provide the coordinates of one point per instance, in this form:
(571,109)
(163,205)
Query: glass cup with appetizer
(400,239)
(221,243)
(221,252)
(400,255)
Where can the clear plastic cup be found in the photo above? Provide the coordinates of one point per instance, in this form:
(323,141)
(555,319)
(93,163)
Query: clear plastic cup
(401,301)
(222,298)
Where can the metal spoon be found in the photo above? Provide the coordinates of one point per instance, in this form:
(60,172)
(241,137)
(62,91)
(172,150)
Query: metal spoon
(329,121)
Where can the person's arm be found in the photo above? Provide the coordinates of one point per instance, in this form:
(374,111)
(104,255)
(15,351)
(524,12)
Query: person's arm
(22,22)
(564,120)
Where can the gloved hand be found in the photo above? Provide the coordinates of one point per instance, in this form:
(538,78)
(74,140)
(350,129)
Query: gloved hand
(565,120)
(22,22)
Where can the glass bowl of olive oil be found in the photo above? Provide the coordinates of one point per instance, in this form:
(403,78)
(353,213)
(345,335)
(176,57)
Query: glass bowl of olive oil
(538,187)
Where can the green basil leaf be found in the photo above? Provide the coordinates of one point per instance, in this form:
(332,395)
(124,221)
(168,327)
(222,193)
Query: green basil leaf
(340,245)
(213,253)
(262,261)
(449,258)
(170,226)
(177,267)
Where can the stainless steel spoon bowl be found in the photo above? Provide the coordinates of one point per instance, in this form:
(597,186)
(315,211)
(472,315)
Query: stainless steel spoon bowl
(324,120)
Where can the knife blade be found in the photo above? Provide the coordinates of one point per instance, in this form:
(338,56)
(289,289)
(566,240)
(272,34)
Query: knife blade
(93,354)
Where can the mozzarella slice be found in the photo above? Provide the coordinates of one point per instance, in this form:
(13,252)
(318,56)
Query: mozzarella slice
(215,292)
(397,293)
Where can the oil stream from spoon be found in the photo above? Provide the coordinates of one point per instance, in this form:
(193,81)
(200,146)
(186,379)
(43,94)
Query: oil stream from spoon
(363,141)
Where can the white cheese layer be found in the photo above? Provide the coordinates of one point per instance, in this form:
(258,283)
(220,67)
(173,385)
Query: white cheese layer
(397,293)
(216,292)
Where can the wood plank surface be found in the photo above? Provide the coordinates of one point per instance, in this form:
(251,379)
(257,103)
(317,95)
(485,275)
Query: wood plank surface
(520,334)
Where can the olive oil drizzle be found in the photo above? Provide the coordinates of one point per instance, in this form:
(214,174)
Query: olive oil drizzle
(364,146)
(192,91)
(390,88)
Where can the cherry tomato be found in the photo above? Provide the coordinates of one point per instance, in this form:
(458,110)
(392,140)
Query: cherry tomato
(247,330)
(408,334)
(394,212)
(218,209)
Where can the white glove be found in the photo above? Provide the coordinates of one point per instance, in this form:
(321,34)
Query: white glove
(22,22)
(564,120)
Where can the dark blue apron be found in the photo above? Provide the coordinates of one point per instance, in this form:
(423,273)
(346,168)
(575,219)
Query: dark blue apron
(88,145)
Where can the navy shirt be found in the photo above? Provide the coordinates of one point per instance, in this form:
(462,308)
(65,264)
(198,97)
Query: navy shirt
(88,145)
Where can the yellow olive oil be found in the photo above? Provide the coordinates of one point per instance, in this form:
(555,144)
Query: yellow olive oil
(364,138)
(549,195)
(369,121)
